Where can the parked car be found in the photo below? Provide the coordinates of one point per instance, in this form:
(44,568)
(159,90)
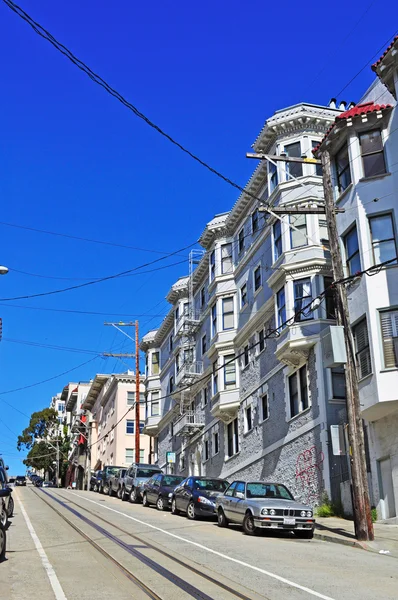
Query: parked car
(48,484)
(3,541)
(116,482)
(159,489)
(259,504)
(6,500)
(196,496)
(38,481)
(104,477)
(134,480)
(94,481)
(20,480)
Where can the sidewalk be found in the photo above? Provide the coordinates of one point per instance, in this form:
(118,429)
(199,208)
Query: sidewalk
(341,531)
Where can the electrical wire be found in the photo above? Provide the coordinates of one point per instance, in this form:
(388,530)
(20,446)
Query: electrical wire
(82,312)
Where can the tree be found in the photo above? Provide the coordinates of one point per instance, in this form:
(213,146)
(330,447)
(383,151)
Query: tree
(42,424)
(41,456)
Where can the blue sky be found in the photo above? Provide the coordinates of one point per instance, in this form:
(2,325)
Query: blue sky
(75,161)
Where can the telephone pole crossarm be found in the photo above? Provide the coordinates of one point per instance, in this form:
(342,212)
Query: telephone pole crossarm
(284,158)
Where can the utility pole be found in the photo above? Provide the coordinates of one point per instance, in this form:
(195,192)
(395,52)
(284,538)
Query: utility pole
(57,473)
(88,455)
(360,489)
(137,395)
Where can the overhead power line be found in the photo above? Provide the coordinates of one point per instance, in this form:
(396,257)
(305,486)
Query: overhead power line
(84,312)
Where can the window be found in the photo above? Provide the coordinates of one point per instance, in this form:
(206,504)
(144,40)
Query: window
(281,307)
(188,356)
(318,168)
(171,343)
(248,419)
(243,295)
(229,372)
(215,443)
(255,221)
(142,455)
(298,391)
(204,396)
(343,172)
(129,426)
(362,349)
(206,449)
(212,265)
(177,314)
(383,239)
(171,429)
(230,490)
(61,407)
(292,168)
(277,231)
(246,356)
(257,278)
(226,258)
(323,232)
(202,297)
(389,332)
(372,153)
(155,363)
(214,319)
(171,384)
(302,298)
(351,246)
(142,397)
(338,383)
(129,455)
(215,378)
(130,398)
(227,313)
(241,240)
(298,236)
(233,437)
(142,425)
(261,340)
(330,303)
(204,345)
(264,407)
(155,405)
(178,362)
(273,176)
(61,420)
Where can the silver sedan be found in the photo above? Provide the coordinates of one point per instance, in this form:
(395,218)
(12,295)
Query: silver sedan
(259,504)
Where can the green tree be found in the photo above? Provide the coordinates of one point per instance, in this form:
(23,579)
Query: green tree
(42,424)
(41,456)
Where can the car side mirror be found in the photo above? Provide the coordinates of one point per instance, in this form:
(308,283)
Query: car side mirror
(240,495)
(5,492)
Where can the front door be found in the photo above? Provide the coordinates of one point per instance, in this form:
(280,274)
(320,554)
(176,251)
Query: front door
(387,500)
(238,503)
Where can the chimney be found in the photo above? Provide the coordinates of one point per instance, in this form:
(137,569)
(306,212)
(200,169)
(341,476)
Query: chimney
(342,105)
(332,103)
(351,105)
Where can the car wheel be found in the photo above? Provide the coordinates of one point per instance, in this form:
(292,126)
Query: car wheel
(111,492)
(3,517)
(105,489)
(3,540)
(222,520)
(95,488)
(10,510)
(191,511)
(119,493)
(248,524)
(174,509)
(145,500)
(133,496)
(123,494)
(160,503)
(304,534)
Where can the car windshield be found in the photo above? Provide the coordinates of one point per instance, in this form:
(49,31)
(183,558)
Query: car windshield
(113,470)
(122,472)
(215,485)
(172,480)
(147,472)
(267,490)
(20,478)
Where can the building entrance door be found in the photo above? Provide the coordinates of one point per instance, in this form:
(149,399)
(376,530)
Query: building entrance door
(387,500)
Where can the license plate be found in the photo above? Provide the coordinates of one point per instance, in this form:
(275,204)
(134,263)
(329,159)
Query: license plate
(289,521)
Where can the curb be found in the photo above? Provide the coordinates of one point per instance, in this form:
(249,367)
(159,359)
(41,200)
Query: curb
(329,538)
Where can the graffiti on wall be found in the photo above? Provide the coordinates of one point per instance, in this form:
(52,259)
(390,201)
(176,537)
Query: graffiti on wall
(309,473)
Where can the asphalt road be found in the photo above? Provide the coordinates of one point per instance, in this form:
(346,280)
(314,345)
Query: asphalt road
(72,545)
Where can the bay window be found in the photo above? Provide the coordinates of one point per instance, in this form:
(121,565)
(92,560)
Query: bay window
(351,245)
(383,239)
(226,258)
(277,232)
(343,173)
(293,169)
(372,153)
(298,236)
(155,404)
(281,307)
(302,298)
(362,349)
(227,313)
(229,372)
(389,332)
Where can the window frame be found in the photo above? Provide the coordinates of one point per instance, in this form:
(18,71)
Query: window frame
(264,395)
(372,153)
(257,283)
(392,339)
(298,318)
(155,401)
(212,265)
(204,344)
(215,445)
(365,349)
(382,241)
(228,313)
(229,369)
(233,426)
(357,253)
(241,241)
(260,341)
(277,239)
(131,460)
(303,404)
(153,363)
(130,422)
(254,221)
(281,309)
(340,173)
(298,226)
(171,384)
(214,381)
(294,165)
(225,258)
(241,295)
(213,312)
(206,450)
(246,356)
(249,419)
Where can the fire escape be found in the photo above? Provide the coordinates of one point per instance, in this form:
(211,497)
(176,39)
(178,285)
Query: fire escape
(188,369)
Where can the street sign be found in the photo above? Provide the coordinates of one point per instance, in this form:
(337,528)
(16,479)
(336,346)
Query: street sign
(171,457)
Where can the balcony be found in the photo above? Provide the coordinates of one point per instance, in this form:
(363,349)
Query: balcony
(152,425)
(189,373)
(295,342)
(225,405)
(189,423)
(188,323)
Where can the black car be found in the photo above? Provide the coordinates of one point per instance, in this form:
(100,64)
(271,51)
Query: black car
(196,496)
(159,490)
(20,480)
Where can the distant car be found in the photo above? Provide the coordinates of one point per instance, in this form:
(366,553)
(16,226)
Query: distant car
(135,478)
(38,481)
(20,480)
(263,505)
(158,490)
(104,476)
(48,484)
(95,481)
(116,482)
(196,496)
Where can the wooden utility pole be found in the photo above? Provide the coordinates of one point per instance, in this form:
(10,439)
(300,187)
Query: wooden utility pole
(360,489)
(137,395)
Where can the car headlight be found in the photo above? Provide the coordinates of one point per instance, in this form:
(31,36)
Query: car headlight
(170,494)
(264,511)
(303,513)
(309,513)
(272,512)
(204,500)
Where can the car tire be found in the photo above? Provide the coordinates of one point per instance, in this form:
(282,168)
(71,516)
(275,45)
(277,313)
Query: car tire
(191,511)
(174,509)
(304,534)
(10,510)
(145,500)
(3,541)
(133,496)
(248,524)
(160,503)
(119,493)
(95,487)
(3,517)
(105,489)
(111,492)
(123,495)
(222,520)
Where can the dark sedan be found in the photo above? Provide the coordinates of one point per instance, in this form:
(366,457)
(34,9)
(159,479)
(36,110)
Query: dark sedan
(196,496)
(20,480)
(159,490)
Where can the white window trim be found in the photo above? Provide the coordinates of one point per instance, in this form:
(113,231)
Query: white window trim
(242,306)
(258,351)
(245,424)
(227,457)
(263,391)
(256,291)
(215,431)
(258,221)
(224,389)
(243,366)
(287,395)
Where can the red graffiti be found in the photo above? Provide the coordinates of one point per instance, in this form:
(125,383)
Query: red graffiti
(308,471)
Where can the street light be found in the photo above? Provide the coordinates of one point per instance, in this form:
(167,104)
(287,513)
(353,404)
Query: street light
(3,270)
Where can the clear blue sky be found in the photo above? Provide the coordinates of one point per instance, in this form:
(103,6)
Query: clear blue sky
(75,161)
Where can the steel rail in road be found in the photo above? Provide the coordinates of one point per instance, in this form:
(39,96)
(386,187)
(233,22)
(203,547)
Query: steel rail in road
(183,585)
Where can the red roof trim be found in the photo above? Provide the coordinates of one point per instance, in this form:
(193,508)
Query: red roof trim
(75,390)
(376,64)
